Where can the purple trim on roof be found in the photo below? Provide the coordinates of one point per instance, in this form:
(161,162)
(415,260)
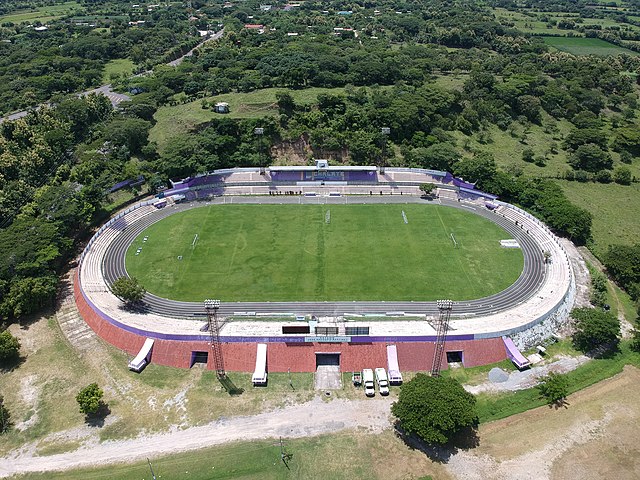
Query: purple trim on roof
(478,193)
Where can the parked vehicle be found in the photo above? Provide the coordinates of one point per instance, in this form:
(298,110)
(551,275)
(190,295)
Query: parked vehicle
(356,378)
(383,381)
(367,378)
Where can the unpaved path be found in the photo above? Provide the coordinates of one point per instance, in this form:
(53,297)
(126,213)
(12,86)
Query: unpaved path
(519,380)
(312,418)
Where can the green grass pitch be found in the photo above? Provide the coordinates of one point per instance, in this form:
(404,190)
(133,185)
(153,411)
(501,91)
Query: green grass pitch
(301,253)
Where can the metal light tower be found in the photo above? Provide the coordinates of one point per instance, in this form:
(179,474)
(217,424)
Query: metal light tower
(444,307)
(385,131)
(259,132)
(212,306)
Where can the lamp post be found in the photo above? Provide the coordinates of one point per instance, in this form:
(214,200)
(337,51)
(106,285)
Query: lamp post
(385,131)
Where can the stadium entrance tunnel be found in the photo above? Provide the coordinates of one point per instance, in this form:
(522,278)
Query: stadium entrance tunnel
(454,356)
(199,357)
(327,360)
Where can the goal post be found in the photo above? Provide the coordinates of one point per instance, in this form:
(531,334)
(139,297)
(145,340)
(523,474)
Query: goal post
(453,239)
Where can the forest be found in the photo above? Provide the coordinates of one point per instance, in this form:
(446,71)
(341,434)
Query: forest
(453,81)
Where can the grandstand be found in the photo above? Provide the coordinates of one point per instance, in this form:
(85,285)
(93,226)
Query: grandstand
(476,331)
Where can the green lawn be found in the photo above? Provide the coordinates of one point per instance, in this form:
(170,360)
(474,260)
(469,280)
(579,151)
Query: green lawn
(120,67)
(615,209)
(42,14)
(290,253)
(338,456)
(586,46)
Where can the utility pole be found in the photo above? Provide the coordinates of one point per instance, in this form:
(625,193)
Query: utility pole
(290,380)
(284,456)
(153,475)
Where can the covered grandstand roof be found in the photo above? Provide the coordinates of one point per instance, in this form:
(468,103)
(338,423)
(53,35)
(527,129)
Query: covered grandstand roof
(309,168)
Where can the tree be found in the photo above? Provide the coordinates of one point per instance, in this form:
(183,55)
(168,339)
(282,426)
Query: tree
(128,290)
(90,399)
(591,158)
(594,328)
(5,417)
(554,387)
(9,347)
(440,156)
(434,408)
(623,263)
(427,188)
(635,339)
(622,175)
(286,103)
(480,169)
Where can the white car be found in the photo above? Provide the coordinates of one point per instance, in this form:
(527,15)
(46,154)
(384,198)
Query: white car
(367,380)
(383,381)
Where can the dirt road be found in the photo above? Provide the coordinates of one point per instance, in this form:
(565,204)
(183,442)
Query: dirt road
(308,419)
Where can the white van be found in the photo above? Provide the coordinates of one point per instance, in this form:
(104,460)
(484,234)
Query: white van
(367,380)
(383,381)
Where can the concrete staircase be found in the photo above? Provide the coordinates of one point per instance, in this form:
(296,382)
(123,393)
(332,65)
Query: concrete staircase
(74,328)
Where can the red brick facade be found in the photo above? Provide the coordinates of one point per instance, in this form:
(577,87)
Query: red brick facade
(412,356)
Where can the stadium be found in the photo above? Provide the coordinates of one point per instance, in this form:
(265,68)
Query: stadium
(270,309)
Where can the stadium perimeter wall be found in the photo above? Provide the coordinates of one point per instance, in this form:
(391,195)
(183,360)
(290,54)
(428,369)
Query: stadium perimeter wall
(283,355)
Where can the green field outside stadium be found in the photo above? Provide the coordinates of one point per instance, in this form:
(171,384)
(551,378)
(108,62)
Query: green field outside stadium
(323,253)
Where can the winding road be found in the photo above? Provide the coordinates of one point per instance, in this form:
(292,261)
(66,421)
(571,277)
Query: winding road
(528,283)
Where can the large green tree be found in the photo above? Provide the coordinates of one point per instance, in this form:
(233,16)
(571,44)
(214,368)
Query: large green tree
(594,328)
(434,408)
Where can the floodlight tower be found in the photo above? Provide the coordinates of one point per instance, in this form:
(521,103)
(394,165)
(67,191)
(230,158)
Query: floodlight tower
(385,131)
(259,132)
(444,308)
(212,306)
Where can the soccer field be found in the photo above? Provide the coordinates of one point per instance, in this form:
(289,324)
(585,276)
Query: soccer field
(323,253)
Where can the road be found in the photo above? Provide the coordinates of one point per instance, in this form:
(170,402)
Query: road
(316,417)
(178,61)
(528,283)
(107,90)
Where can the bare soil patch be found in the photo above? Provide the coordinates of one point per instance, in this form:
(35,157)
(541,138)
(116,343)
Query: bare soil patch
(594,437)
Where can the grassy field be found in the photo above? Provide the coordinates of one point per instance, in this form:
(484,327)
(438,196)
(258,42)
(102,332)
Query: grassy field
(291,253)
(177,119)
(119,67)
(42,14)
(586,46)
(615,209)
(352,455)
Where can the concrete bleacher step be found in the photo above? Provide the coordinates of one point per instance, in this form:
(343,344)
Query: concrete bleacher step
(73,326)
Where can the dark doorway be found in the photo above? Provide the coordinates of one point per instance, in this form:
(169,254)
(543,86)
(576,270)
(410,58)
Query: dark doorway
(199,357)
(454,357)
(327,360)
